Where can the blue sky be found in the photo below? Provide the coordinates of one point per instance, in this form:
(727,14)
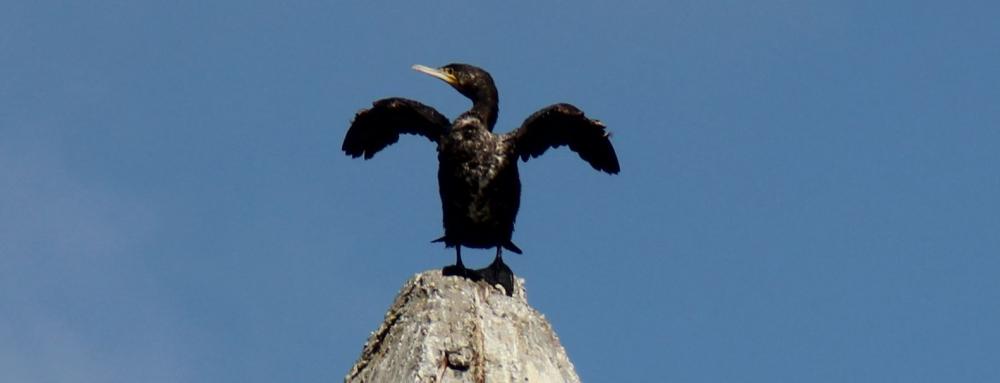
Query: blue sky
(808,189)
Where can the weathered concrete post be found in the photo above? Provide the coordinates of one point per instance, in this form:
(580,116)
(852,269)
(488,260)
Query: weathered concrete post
(449,329)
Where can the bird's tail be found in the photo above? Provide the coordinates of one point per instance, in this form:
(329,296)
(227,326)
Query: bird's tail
(512,247)
(509,245)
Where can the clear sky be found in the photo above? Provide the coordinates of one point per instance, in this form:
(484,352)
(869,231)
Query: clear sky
(809,189)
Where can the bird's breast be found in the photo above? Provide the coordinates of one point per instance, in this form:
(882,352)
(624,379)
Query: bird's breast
(475,173)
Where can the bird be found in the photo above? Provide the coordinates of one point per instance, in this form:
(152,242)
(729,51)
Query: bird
(478,177)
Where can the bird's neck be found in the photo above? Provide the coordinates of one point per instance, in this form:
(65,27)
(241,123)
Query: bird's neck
(486,106)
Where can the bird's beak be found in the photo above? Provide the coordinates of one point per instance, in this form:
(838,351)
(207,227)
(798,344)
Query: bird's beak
(436,73)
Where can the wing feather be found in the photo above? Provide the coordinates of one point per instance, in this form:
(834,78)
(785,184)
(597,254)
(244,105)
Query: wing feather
(564,124)
(379,126)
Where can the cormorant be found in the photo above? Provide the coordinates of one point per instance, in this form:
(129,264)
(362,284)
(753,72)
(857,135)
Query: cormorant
(477,172)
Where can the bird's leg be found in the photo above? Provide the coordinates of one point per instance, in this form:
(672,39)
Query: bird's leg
(498,273)
(458,269)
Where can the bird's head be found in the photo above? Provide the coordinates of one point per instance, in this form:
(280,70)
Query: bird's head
(471,81)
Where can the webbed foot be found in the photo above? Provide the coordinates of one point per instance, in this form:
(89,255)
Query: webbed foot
(460,271)
(498,273)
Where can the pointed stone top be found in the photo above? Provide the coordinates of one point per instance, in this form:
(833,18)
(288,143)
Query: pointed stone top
(450,329)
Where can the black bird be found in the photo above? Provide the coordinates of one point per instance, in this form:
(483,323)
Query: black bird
(477,172)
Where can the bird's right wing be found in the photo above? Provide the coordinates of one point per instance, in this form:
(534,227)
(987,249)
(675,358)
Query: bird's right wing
(375,128)
(564,124)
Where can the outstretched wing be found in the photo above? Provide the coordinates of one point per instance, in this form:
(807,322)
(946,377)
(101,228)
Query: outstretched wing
(564,124)
(375,128)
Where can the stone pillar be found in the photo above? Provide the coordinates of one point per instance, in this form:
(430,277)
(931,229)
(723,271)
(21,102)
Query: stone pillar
(449,329)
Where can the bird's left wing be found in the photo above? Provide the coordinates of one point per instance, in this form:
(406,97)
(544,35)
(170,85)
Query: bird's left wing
(375,128)
(564,124)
